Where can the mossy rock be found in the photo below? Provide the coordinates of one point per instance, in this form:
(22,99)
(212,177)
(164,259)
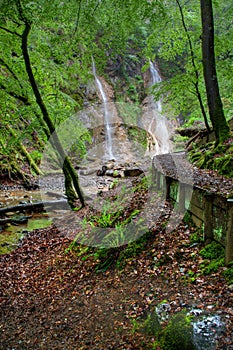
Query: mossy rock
(213,250)
(151,325)
(178,334)
(215,253)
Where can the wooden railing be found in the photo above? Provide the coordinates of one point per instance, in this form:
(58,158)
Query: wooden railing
(209,211)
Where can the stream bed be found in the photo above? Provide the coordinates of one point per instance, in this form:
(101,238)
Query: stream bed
(21,222)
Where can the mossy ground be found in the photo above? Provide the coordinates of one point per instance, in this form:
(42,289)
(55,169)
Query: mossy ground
(218,158)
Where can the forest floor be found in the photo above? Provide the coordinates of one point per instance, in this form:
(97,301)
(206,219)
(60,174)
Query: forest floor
(52,297)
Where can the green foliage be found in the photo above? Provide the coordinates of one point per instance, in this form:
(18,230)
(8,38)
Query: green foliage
(187,219)
(228,274)
(36,156)
(119,253)
(8,242)
(197,237)
(131,250)
(106,258)
(151,325)
(213,250)
(213,266)
(214,255)
(177,334)
(218,158)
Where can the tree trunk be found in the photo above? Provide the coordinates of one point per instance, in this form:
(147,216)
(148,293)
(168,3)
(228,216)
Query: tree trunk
(71,177)
(218,120)
(196,82)
(24,152)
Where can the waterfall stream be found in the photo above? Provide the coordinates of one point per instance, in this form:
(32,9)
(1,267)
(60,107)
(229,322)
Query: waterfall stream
(152,121)
(158,125)
(108,133)
(156,78)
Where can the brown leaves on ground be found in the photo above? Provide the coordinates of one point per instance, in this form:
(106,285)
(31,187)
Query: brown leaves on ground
(55,300)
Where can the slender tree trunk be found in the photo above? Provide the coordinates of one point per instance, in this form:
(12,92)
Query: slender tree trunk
(25,153)
(71,178)
(196,82)
(221,128)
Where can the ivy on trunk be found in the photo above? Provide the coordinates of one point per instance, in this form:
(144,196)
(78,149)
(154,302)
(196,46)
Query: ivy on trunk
(221,128)
(73,190)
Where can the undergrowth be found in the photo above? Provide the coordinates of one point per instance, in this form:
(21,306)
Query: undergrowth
(218,158)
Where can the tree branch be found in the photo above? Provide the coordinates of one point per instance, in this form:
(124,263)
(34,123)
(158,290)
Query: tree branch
(15,95)
(78,16)
(194,67)
(11,71)
(10,31)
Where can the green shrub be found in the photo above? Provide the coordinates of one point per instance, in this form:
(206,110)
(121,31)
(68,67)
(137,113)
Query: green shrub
(213,250)
(214,253)
(228,274)
(177,334)
(151,325)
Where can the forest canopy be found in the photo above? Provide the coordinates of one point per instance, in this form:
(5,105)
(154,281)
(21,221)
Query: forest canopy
(64,38)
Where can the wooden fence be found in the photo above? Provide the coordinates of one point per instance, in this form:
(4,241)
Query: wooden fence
(210,211)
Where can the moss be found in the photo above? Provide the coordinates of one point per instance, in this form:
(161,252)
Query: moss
(8,242)
(213,266)
(151,325)
(178,334)
(197,237)
(213,250)
(218,158)
(214,255)
(228,274)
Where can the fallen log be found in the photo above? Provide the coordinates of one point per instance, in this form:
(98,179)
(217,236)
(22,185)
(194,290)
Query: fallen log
(18,220)
(34,206)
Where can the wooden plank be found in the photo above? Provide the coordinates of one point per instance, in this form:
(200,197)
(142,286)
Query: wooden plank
(220,202)
(197,198)
(229,234)
(198,212)
(197,221)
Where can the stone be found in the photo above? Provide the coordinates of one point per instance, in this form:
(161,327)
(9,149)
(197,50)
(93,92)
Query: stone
(133,172)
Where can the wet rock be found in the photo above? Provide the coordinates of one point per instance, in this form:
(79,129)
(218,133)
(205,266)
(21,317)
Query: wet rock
(10,213)
(100,173)
(87,172)
(109,172)
(23,202)
(163,311)
(133,172)
(206,329)
(110,164)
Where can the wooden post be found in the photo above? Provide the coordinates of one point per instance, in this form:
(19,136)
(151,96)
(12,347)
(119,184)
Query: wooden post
(208,217)
(181,197)
(168,187)
(229,236)
(158,180)
(154,175)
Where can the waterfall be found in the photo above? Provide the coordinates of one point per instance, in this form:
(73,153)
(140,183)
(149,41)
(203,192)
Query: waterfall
(156,78)
(158,127)
(107,115)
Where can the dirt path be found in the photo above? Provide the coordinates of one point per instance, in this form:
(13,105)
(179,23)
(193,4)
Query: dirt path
(53,300)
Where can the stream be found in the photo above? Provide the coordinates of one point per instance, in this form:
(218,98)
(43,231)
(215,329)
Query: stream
(21,222)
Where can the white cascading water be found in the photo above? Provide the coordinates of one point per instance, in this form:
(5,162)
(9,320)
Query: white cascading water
(158,127)
(108,133)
